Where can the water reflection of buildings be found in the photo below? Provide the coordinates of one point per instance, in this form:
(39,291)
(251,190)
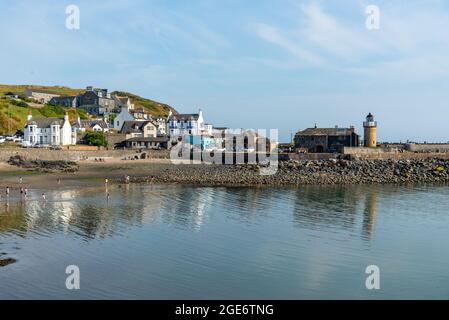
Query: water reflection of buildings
(188,207)
(85,212)
(330,207)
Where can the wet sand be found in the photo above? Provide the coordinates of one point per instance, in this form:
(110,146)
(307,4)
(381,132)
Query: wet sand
(90,173)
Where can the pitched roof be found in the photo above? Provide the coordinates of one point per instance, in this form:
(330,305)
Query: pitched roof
(326,132)
(185,116)
(135,126)
(71,98)
(45,122)
(42,91)
(92,123)
(149,139)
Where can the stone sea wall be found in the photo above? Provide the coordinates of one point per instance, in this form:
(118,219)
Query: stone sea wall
(76,155)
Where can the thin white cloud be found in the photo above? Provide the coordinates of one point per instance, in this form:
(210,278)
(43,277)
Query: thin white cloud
(274,36)
(412,41)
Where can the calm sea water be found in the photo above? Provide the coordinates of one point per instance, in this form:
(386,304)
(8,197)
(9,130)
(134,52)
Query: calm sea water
(169,242)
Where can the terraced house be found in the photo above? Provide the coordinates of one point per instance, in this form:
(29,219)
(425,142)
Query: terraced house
(181,125)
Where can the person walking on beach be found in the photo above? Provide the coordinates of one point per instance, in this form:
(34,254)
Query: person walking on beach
(21,191)
(20,180)
(25,192)
(7,192)
(106,181)
(127,179)
(43,196)
(108,197)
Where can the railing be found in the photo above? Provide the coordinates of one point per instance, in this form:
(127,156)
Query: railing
(370,124)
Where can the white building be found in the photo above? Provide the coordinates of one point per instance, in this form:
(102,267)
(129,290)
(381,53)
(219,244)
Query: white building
(49,131)
(188,124)
(127,114)
(98,125)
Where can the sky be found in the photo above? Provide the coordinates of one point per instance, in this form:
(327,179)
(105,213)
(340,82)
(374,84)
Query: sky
(262,64)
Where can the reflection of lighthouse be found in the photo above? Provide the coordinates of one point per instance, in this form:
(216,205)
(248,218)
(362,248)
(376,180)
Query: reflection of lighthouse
(370,127)
(369,215)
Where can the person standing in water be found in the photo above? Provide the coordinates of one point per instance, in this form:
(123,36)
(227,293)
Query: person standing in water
(7,192)
(25,192)
(108,197)
(43,196)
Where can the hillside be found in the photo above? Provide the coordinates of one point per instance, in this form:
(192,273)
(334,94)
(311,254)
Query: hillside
(153,107)
(19,111)
(13,117)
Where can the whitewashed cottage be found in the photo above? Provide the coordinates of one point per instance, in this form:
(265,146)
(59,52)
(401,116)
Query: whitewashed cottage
(49,131)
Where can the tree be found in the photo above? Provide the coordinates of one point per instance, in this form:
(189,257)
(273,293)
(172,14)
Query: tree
(96,138)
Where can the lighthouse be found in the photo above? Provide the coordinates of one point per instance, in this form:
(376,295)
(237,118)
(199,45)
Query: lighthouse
(370,127)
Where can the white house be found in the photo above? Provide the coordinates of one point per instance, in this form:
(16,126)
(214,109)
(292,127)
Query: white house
(188,124)
(98,125)
(126,114)
(49,131)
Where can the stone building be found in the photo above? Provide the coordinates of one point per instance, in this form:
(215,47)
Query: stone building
(97,102)
(328,140)
(40,95)
(142,129)
(66,101)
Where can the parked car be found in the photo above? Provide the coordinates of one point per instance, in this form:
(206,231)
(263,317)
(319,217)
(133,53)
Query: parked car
(26,144)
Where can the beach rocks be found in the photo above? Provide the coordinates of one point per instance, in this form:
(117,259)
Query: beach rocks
(294,172)
(44,165)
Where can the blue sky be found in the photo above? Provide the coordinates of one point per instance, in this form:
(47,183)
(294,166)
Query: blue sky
(254,64)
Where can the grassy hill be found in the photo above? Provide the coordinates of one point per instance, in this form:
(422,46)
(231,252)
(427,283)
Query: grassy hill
(13,117)
(153,107)
(13,114)
(20,89)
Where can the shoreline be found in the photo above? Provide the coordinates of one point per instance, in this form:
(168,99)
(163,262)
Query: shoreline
(290,173)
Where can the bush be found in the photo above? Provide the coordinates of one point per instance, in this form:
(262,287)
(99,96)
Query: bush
(19,103)
(97,139)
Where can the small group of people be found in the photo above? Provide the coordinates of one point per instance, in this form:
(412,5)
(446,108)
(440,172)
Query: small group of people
(23,191)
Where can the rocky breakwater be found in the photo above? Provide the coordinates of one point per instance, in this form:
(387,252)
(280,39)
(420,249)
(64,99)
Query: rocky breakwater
(44,165)
(306,172)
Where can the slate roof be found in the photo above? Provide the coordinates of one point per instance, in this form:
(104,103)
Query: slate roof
(326,132)
(148,139)
(92,123)
(185,117)
(45,122)
(135,126)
